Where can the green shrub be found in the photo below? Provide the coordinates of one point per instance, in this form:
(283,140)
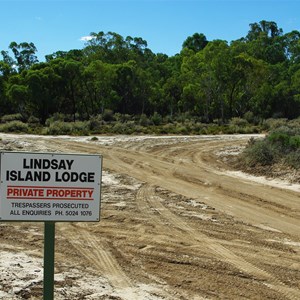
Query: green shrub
(249,116)
(213,129)
(80,128)
(119,128)
(181,129)
(238,122)
(94,139)
(168,119)
(10,118)
(55,117)
(95,123)
(259,153)
(59,128)
(285,139)
(295,123)
(281,145)
(33,120)
(122,117)
(144,121)
(14,126)
(293,159)
(294,142)
(280,139)
(156,119)
(271,124)
(62,128)
(139,129)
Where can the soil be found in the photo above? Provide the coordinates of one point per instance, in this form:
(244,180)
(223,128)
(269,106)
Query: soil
(177,222)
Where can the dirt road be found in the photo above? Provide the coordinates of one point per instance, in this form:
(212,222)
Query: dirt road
(176,225)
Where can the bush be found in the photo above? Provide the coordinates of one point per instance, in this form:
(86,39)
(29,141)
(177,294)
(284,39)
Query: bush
(293,159)
(271,124)
(33,120)
(120,128)
(285,139)
(279,139)
(294,123)
(238,122)
(249,116)
(156,119)
(58,128)
(122,117)
(14,126)
(54,118)
(10,118)
(168,119)
(294,142)
(95,123)
(259,153)
(144,121)
(281,145)
(61,128)
(80,128)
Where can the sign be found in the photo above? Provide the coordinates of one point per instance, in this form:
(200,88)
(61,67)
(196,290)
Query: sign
(49,187)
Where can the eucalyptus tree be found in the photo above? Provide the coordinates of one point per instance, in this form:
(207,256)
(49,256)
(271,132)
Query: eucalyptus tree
(69,87)
(206,75)
(196,42)
(6,70)
(98,81)
(265,41)
(25,55)
(41,82)
(16,92)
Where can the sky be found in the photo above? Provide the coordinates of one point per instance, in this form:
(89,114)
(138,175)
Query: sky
(62,25)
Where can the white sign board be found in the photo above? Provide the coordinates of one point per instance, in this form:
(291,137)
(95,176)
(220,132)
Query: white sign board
(49,187)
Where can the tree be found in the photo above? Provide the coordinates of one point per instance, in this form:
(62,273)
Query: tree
(196,42)
(209,71)
(41,86)
(69,86)
(265,41)
(16,92)
(74,54)
(24,54)
(292,46)
(99,78)
(266,28)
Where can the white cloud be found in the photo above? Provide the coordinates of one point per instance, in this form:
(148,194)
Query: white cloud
(86,38)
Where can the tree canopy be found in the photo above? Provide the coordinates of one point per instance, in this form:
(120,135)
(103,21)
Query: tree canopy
(257,74)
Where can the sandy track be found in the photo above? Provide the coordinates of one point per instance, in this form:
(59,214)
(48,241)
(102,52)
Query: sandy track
(177,221)
(248,201)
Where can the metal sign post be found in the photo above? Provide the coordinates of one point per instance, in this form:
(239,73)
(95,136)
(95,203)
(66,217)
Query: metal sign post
(49,250)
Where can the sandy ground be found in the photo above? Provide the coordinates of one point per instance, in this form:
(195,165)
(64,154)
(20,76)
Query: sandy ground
(176,223)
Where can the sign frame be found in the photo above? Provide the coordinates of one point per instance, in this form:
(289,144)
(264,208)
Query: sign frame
(78,191)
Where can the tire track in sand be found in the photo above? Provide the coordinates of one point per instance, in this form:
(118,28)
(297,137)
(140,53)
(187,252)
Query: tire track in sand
(101,259)
(148,201)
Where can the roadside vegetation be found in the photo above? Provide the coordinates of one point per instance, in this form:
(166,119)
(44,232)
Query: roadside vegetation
(280,147)
(109,123)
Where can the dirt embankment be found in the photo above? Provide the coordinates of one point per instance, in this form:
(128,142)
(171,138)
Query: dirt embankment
(175,224)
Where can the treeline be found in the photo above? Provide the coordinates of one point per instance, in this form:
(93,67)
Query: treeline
(257,77)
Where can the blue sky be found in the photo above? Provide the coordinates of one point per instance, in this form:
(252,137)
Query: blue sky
(164,24)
